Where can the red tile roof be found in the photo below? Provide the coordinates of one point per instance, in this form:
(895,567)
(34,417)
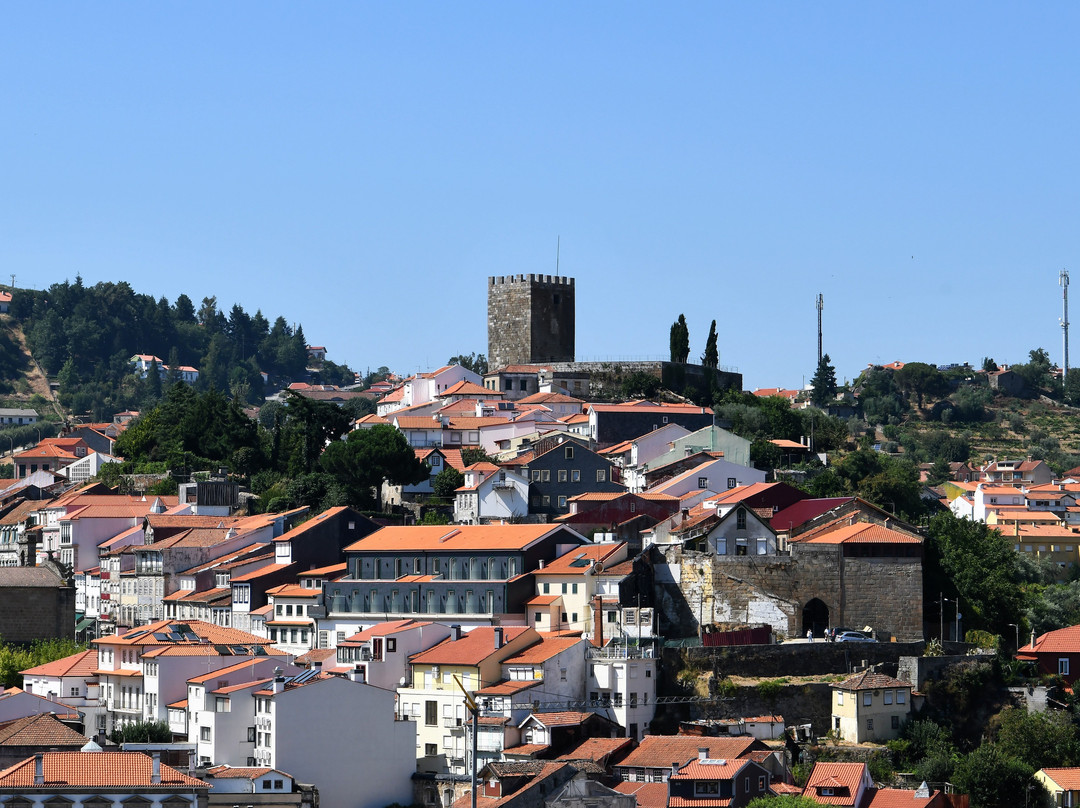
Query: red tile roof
(81,664)
(471,649)
(860,533)
(543,651)
(649,795)
(451,538)
(572,562)
(563,719)
(598,748)
(900,798)
(844,777)
(870,681)
(1061,641)
(1067,778)
(96,770)
(660,751)
(43,730)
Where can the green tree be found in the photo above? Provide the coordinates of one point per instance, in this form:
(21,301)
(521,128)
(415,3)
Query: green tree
(989,365)
(142,732)
(368,457)
(1039,740)
(921,380)
(783,801)
(939,473)
(1072,387)
(711,357)
(978,563)
(477,363)
(992,779)
(679,339)
(823,384)
(447,482)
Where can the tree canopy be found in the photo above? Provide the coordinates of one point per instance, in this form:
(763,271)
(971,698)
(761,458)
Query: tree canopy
(679,339)
(367,457)
(711,357)
(823,384)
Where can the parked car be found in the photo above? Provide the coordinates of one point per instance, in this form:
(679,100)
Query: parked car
(854,636)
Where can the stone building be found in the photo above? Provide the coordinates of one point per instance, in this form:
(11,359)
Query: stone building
(530,320)
(851,574)
(36,603)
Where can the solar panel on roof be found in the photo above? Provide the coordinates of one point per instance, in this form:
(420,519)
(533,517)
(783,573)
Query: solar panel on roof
(260,651)
(580,562)
(223,650)
(191,636)
(240,650)
(161,637)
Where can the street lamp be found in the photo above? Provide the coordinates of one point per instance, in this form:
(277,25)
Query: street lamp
(957,618)
(1017,627)
(942,600)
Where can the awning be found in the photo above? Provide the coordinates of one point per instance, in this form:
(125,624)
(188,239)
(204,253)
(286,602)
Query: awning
(83,624)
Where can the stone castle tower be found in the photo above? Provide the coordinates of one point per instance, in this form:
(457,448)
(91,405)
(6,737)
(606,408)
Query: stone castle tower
(530,320)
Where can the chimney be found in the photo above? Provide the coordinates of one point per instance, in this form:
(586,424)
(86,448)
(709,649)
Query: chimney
(541,563)
(279,681)
(498,637)
(674,768)
(598,621)
(39,769)
(155,770)
(457,631)
(1033,638)
(357,674)
(703,753)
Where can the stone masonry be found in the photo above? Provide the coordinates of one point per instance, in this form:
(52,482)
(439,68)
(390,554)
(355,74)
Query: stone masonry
(728,591)
(530,320)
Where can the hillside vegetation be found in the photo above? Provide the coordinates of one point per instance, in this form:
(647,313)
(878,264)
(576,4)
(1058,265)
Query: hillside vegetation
(84,337)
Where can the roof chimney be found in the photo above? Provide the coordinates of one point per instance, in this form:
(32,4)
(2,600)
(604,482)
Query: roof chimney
(357,674)
(674,768)
(457,631)
(39,769)
(702,753)
(155,770)
(279,681)
(498,637)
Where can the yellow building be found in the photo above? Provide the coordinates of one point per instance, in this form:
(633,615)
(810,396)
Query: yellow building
(1062,784)
(870,707)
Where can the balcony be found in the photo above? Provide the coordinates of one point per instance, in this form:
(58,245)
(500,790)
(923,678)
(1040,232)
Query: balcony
(453,723)
(621,652)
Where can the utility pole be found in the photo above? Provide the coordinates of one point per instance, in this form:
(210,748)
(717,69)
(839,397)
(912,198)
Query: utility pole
(473,708)
(1063,281)
(820,306)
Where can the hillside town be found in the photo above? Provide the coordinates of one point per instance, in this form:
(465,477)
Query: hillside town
(582,600)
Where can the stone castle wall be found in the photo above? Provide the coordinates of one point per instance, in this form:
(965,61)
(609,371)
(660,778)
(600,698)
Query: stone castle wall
(530,320)
(37,613)
(730,591)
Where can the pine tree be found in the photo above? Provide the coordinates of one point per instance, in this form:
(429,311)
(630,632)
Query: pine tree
(823,385)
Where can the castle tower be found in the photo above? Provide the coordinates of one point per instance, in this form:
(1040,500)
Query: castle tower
(530,320)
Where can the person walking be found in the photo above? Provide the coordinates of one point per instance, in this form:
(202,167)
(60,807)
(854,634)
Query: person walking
(809,635)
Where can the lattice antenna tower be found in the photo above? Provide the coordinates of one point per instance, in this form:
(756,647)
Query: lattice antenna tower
(1063,281)
(820,306)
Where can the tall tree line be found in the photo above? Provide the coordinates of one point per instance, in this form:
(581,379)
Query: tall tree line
(86,335)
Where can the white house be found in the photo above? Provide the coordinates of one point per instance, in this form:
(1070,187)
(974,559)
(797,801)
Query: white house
(358,754)
(491,494)
(712,475)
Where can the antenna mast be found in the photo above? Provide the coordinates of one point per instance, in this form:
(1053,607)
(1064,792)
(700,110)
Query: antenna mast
(558,249)
(1063,280)
(820,306)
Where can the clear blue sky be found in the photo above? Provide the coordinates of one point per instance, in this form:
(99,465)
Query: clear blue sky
(362,168)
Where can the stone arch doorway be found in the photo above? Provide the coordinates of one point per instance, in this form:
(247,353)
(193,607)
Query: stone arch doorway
(815,617)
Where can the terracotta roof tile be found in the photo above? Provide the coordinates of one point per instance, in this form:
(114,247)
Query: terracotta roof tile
(96,770)
(471,649)
(42,730)
(80,664)
(870,681)
(660,751)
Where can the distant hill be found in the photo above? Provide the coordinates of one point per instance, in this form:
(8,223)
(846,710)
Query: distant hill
(83,337)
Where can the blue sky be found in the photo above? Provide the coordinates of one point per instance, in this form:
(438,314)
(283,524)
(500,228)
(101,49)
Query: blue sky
(362,168)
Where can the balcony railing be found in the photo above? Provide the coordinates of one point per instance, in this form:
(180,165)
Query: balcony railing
(453,723)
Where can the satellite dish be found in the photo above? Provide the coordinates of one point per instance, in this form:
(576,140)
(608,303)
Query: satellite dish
(401,682)
(598,567)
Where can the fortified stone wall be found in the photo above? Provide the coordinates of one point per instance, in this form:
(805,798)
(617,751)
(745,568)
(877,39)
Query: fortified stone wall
(730,591)
(530,320)
(37,613)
